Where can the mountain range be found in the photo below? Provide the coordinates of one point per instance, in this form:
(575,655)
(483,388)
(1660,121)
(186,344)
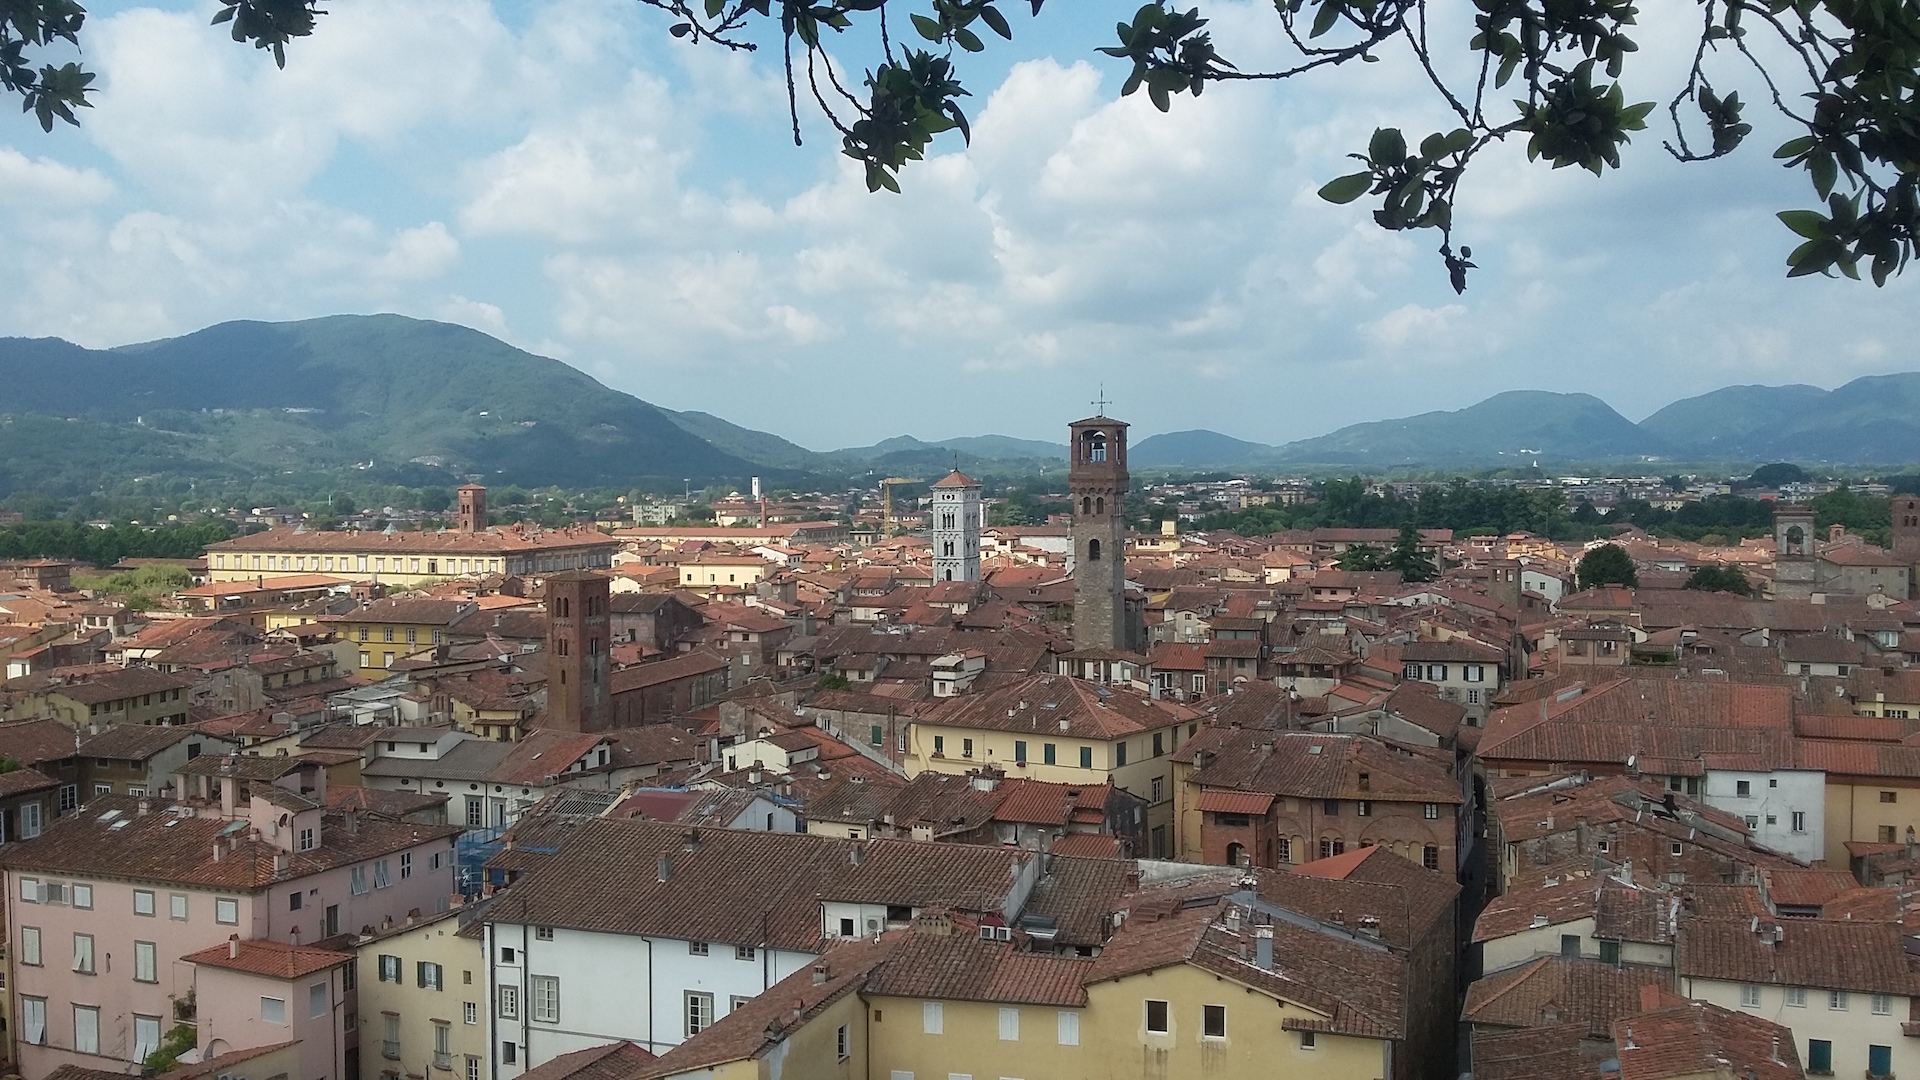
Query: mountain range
(423,402)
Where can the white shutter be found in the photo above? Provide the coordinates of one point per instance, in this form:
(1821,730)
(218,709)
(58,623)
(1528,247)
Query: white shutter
(33,1013)
(146,1036)
(1069,1028)
(933,1018)
(1009,1025)
(86,1029)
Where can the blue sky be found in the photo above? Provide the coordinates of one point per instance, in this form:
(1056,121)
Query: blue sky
(565,176)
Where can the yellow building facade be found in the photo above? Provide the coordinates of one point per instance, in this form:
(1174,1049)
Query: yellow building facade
(423,1002)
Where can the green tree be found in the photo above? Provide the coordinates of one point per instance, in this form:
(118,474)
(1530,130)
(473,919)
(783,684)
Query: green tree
(1406,557)
(1713,578)
(1362,557)
(1546,72)
(1608,564)
(1772,476)
(343,504)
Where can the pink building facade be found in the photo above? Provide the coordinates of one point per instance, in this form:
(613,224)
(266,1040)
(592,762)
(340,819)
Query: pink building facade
(263,993)
(105,905)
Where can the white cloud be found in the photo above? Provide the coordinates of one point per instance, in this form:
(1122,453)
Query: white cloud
(427,251)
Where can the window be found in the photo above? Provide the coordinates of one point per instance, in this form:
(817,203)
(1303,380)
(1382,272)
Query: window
(1889,796)
(83,953)
(389,968)
(697,948)
(1799,821)
(1569,944)
(226,911)
(1887,835)
(842,1044)
(1330,847)
(1306,1040)
(509,1053)
(29,820)
(406,871)
(145,962)
(743,952)
(273,1010)
(1157,1017)
(29,891)
(1365,808)
(86,1029)
(1675,849)
(33,1020)
(1743,789)
(1047,753)
(939,745)
(1820,1057)
(876,736)
(382,876)
(469,1012)
(83,896)
(1879,1061)
(933,1018)
(1330,807)
(1009,1025)
(736,1001)
(509,1003)
(699,1013)
(1283,850)
(1797,996)
(428,976)
(1430,811)
(1120,753)
(357,881)
(146,1036)
(1067,1029)
(966,747)
(1159,788)
(543,933)
(1609,952)
(177,906)
(1837,1000)
(1020,751)
(1213,1021)
(1086,757)
(1749,995)
(546,998)
(295,900)
(30,946)
(1882,1005)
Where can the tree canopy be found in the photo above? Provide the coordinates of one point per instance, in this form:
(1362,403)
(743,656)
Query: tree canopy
(1406,557)
(1608,564)
(1719,579)
(1547,72)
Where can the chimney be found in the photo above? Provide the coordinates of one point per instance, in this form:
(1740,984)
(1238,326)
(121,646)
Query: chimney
(280,863)
(233,946)
(692,840)
(819,973)
(353,822)
(145,806)
(219,850)
(858,855)
(666,867)
(1263,948)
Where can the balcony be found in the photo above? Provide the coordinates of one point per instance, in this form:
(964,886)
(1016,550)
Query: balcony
(443,1062)
(390,1049)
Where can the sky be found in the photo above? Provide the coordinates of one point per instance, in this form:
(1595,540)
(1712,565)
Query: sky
(567,177)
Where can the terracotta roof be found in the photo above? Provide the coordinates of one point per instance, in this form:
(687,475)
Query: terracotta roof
(1699,1039)
(956,479)
(1315,765)
(655,672)
(1560,990)
(1554,1052)
(133,742)
(614,1061)
(448,541)
(1056,704)
(1038,802)
(1215,800)
(1825,954)
(274,959)
(959,966)
(744,887)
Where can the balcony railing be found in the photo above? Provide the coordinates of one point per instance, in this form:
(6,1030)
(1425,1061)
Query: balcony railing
(443,1062)
(390,1049)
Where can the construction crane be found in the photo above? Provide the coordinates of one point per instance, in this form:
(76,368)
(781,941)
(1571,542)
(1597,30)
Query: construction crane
(886,502)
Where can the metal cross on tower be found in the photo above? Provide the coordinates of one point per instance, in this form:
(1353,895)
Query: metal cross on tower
(1100,404)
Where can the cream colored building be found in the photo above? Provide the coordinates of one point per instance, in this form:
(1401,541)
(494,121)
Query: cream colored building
(423,1000)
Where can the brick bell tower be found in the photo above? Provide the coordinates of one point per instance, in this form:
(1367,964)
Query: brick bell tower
(578,697)
(1097,480)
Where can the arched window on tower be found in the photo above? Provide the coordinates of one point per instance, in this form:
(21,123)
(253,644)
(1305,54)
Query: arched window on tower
(1093,551)
(1086,505)
(949,551)
(1100,504)
(1094,446)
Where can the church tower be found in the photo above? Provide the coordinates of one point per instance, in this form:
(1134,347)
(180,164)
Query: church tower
(1097,482)
(956,528)
(1794,571)
(578,696)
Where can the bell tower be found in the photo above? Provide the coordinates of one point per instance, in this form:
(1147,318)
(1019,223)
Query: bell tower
(1097,482)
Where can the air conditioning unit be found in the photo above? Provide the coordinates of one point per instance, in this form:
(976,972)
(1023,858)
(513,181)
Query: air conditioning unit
(1004,933)
(986,933)
(873,926)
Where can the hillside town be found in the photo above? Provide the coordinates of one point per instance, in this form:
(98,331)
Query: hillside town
(906,794)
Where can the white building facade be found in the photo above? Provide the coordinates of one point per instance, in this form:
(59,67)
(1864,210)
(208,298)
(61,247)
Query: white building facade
(956,528)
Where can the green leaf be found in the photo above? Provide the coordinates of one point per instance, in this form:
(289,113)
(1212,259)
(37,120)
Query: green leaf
(1433,146)
(714,8)
(927,27)
(968,40)
(1387,146)
(1793,148)
(1324,18)
(1824,172)
(1808,223)
(997,22)
(1346,188)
